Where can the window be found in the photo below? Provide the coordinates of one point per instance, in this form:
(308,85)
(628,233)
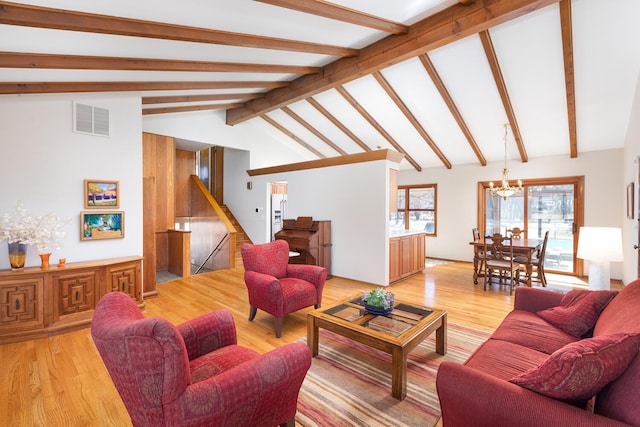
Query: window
(549,204)
(416,209)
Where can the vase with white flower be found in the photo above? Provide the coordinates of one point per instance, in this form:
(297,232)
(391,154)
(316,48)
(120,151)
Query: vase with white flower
(20,229)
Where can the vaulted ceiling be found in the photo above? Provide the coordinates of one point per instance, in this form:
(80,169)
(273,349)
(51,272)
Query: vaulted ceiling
(433,79)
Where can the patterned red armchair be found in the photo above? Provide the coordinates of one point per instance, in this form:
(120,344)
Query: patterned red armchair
(277,287)
(195,374)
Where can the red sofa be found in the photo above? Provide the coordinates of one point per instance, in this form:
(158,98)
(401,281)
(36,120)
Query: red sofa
(480,392)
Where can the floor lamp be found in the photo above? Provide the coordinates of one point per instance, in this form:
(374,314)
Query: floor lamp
(600,246)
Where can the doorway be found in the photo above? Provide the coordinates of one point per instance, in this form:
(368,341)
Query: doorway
(278,206)
(552,204)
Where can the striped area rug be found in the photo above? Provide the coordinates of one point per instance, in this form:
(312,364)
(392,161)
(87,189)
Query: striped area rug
(349,384)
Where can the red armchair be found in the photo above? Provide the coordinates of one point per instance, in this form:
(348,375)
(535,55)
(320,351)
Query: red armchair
(195,374)
(277,287)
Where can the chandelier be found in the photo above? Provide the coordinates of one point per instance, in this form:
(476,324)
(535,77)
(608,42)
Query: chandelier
(505,190)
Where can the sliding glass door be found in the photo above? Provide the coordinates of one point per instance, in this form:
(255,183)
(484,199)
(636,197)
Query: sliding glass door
(553,205)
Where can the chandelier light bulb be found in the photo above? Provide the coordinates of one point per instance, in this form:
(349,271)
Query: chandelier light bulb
(505,190)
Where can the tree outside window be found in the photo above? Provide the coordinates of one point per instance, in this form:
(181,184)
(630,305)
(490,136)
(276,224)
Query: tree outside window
(416,209)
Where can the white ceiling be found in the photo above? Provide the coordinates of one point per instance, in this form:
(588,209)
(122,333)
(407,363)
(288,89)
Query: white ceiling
(606,57)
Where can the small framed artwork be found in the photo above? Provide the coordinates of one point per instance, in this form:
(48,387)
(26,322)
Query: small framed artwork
(630,201)
(101,194)
(101,225)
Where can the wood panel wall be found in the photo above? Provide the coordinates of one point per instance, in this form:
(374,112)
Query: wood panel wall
(185,167)
(158,166)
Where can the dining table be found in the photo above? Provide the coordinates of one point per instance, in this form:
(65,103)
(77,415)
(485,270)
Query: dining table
(524,248)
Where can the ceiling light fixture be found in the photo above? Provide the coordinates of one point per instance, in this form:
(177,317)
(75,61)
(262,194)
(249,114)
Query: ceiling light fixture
(505,190)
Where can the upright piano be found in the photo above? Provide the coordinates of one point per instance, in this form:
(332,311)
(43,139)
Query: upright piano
(311,239)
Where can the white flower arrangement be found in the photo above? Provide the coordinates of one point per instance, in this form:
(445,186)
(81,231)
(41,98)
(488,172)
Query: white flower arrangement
(43,231)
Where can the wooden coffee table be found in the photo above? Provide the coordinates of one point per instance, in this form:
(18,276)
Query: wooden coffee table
(396,333)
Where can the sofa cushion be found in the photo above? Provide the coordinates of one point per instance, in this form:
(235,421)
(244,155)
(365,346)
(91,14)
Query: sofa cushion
(621,314)
(503,359)
(219,361)
(529,330)
(580,370)
(578,311)
(621,398)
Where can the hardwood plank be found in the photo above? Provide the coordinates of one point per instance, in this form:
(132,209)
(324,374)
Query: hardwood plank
(61,380)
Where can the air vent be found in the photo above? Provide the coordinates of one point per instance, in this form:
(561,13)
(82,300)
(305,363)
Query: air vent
(90,119)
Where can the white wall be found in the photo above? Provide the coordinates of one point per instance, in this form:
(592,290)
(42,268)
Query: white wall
(458,198)
(44,165)
(631,166)
(353,197)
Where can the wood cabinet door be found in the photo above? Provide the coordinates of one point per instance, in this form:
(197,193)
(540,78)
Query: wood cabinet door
(21,304)
(394,260)
(405,256)
(75,292)
(125,278)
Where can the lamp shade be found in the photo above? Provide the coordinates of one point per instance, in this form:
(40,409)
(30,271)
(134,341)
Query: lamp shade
(600,244)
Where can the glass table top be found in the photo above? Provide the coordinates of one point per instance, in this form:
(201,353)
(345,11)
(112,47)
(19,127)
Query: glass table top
(403,317)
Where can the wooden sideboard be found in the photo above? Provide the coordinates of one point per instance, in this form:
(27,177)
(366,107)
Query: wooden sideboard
(406,255)
(35,303)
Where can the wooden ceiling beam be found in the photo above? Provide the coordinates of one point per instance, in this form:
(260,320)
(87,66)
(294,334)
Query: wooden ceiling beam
(452,24)
(490,52)
(292,135)
(567,49)
(78,62)
(313,130)
(14,88)
(412,119)
(368,117)
(60,19)
(338,123)
(198,98)
(187,108)
(340,13)
(448,100)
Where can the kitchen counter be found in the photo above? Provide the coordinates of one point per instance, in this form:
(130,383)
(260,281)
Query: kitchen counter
(399,233)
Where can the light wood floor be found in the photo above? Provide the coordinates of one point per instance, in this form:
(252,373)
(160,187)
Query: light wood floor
(61,381)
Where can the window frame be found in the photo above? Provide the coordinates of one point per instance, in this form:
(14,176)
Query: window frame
(576,181)
(406,210)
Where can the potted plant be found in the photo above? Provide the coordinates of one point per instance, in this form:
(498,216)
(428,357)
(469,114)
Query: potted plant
(378,301)
(21,229)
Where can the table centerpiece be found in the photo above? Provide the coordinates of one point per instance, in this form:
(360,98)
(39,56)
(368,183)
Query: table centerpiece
(378,301)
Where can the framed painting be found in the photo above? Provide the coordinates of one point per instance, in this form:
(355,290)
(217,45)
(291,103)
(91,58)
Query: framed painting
(101,194)
(630,201)
(101,225)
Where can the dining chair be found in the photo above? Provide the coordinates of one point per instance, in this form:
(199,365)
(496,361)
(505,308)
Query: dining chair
(537,262)
(517,232)
(478,252)
(499,260)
